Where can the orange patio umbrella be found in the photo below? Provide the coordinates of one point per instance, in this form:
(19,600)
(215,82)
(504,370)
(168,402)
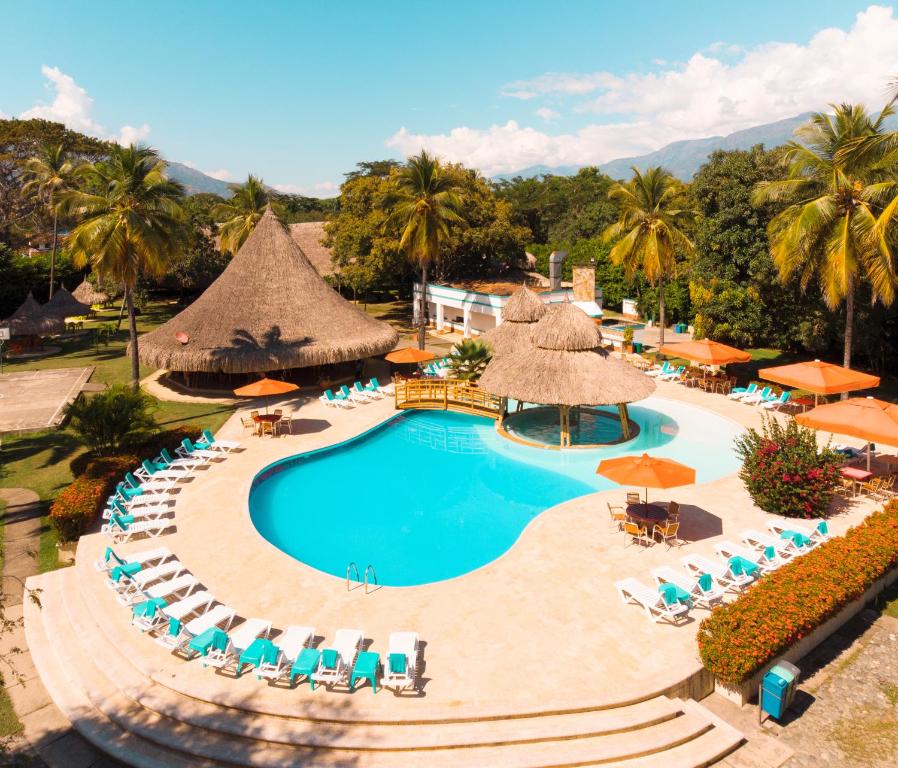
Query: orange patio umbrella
(875,421)
(819,377)
(646,471)
(707,352)
(410,355)
(265,388)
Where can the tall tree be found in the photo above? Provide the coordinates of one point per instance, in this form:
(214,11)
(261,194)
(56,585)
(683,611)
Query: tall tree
(828,230)
(239,215)
(130,223)
(424,202)
(50,174)
(648,233)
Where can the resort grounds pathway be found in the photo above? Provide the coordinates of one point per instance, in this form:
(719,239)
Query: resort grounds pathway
(47,737)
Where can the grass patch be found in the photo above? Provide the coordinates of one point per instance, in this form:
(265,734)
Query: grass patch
(48,552)
(888,601)
(10,725)
(890,691)
(869,738)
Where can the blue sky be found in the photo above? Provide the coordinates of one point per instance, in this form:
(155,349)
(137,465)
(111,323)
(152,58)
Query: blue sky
(298,92)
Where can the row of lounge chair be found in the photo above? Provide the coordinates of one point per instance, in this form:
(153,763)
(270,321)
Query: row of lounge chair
(359,393)
(142,500)
(168,601)
(764,398)
(438,368)
(703,581)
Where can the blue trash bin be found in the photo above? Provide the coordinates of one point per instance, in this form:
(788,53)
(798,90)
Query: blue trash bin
(778,689)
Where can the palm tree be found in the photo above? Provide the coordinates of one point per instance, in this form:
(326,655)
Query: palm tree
(648,230)
(50,174)
(130,223)
(241,213)
(839,173)
(424,202)
(469,358)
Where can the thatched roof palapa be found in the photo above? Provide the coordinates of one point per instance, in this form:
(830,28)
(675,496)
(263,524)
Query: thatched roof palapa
(308,236)
(520,312)
(64,305)
(565,365)
(269,310)
(31,320)
(87,294)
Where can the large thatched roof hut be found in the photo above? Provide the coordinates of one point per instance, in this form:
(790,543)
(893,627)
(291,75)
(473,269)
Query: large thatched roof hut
(63,304)
(564,365)
(31,320)
(308,236)
(87,294)
(521,311)
(269,310)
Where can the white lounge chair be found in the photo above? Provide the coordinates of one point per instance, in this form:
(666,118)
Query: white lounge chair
(672,375)
(130,588)
(196,604)
(220,616)
(727,550)
(784,549)
(776,403)
(148,557)
(238,641)
(660,370)
(757,397)
(699,564)
(706,596)
(150,472)
(208,442)
(335,401)
(336,668)
(178,604)
(739,392)
(188,450)
(400,674)
(289,645)
(816,535)
(650,600)
(166,459)
(122,533)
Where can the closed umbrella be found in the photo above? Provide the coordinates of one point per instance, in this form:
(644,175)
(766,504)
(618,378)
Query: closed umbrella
(646,471)
(867,418)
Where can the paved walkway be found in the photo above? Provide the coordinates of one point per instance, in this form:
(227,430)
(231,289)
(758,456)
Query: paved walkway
(48,738)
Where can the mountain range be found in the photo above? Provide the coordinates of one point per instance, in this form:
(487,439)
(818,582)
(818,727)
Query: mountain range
(195,181)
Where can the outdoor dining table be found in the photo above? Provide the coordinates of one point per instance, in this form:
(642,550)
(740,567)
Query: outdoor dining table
(266,418)
(856,476)
(647,514)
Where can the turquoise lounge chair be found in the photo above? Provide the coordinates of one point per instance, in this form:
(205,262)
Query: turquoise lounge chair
(758,397)
(739,392)
(366,667)
(337,401)
(775,403)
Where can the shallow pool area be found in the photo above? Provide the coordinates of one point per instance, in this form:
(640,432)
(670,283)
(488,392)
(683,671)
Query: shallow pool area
(431,495)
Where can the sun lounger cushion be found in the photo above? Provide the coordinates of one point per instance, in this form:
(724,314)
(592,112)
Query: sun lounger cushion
(211,638)
(397,663)
(148,608)
(306,662)
(260,650)
(128,569)
(739,565)
(705,581)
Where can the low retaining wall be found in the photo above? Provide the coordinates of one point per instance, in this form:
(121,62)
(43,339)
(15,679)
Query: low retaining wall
(748,691)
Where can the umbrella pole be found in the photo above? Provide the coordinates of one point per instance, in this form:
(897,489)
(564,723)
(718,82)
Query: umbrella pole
(868,457)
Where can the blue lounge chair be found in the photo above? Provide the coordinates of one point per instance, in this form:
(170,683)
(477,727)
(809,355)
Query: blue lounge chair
(758,397)
(336,401)
(739,392)
(775,403)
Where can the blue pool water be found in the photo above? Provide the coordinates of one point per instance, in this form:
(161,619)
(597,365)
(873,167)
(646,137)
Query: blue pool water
(432,495)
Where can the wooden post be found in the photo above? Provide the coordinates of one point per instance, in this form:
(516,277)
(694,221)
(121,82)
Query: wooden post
(445,395)
(624,420)
(564,426)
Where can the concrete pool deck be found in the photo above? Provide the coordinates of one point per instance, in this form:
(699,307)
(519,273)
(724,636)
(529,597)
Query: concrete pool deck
(540,628)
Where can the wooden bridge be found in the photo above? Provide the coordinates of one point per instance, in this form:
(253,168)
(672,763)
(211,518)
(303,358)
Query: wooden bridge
(447,395)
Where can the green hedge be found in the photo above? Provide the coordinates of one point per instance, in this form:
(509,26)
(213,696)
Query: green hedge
(738,639)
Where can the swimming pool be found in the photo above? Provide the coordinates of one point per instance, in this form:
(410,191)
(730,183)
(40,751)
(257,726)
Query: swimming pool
(431,495)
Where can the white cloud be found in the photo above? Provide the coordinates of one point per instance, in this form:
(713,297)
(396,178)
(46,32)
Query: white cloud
(222,174)
(321,189)
(72,106)
(547,114)
(707,95)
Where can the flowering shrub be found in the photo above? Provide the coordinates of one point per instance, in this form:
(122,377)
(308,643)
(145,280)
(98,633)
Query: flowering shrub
(784,472)
(738,639)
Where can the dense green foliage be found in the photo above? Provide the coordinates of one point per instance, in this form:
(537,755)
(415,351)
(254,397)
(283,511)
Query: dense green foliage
(469,359)
(111,420)
(784,471)
(740,638)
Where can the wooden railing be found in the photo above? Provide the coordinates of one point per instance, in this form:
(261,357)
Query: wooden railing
(446,395)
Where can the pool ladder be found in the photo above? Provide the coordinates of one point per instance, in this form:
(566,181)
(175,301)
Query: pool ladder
(370,578)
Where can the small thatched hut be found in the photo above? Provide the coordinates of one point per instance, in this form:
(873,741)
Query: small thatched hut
(31,320)
(564,365)
(87,294)
(64,305)
(269,310)
(521,311)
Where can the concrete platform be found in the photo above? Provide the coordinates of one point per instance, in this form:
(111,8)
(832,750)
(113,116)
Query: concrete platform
(34,400)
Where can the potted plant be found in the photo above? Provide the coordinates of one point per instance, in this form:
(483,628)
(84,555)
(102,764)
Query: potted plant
(628,338)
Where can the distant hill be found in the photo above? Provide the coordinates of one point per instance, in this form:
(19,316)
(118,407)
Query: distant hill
(196,181)
(682,158)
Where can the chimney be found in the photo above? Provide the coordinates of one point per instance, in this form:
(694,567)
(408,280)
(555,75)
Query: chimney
(555,259)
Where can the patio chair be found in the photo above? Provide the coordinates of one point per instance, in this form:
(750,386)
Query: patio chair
(618,516)
(289,646)
(363,394)
(775,403)
(722,573)
(121,529)
(354,397)
(669,533)
(190,451)
(158,620)
(784,548)
(702,589)
(672,375)
(237,643)
(165,459)
(757,397)
(336,661)
(814,536)
(157,598)
(401,667)
(148,557)
(633,497)
(130,588)
(219,617)
(657,606)
(737,393)
(208,442)
(742,559)
(638,534)
(249,424)
(660,370)
(334,401)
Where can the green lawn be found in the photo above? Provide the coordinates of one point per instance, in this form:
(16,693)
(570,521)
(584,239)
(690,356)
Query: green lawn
(42,460)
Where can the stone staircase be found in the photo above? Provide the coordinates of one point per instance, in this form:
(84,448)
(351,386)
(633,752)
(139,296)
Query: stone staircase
(102,674)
